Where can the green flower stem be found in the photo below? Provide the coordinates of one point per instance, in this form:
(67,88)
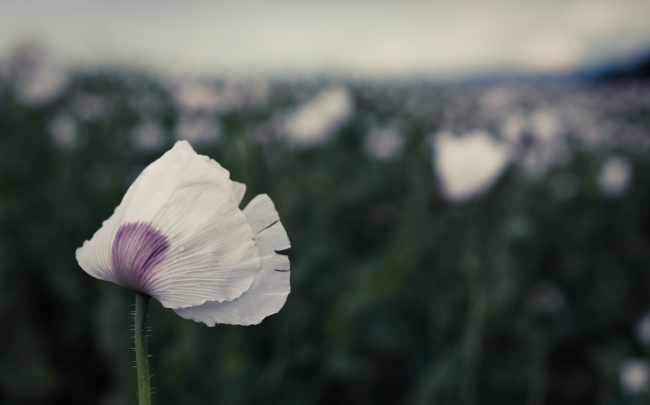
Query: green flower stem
(474,333)
(472,347)
(141,352)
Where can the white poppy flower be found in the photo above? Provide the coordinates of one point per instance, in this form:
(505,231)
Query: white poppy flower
(35,76)
(634,376)
(614,176)
(468,165)
(63,130)
(383,144)
(179,236)
(197,97)
(537,141)
(317,121)
(45,84)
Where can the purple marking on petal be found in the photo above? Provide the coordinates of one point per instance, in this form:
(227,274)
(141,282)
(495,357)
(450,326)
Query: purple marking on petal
(138,248)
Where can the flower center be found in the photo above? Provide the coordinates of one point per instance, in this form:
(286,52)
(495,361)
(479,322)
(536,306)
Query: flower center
(138,248)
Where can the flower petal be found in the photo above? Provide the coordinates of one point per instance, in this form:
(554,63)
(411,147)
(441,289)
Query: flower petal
(467,166)
(270,288)
(239,189)
(95,255)
(189,199)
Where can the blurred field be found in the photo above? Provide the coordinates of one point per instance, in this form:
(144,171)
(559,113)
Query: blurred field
(531,291)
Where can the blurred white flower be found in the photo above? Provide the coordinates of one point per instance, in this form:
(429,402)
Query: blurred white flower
(614,176)
(513,128)
(316,121)
(537,140)
(35,77)
(383,144)
(642,330)
(45,84)
(148,136)
(197,97)
(468,165)
(63,130)
(179,236)
(634,376)
(545,124)
(198,129)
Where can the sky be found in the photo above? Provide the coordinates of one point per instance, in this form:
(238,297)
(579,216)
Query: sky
(357,38)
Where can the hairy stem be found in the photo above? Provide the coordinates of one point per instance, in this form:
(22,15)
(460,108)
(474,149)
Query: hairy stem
(141,352)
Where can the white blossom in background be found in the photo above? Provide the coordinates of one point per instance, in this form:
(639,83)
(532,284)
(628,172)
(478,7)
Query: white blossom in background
(634,376)
(63,131)
(44,85)
(546,124)
(198,129)
(614,176)
(148,136)
(642,330)
(315,122)
(36,78)
(193,97)
(236,95)
(180,237)
(537,140)
(513,129)
(467,166)
(383,143)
